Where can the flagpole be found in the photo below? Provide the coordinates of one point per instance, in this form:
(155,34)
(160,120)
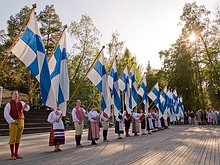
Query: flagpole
(34,6)
(51,54)
(74,92)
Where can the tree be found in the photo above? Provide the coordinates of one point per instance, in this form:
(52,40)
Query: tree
(115,46)
(13,71)
(50,27)
(197,51)
(86,44)
(129,60)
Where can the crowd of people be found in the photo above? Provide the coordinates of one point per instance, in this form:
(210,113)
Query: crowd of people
(202,117)
(141,123)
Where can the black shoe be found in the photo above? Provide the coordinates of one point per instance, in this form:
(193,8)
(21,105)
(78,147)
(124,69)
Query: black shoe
(94,143)
(120,138)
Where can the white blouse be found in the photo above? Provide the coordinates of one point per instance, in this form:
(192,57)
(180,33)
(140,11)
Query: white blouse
(92,114)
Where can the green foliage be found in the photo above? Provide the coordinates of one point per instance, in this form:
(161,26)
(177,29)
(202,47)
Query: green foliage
(50,27)
(86,47)
(193,66)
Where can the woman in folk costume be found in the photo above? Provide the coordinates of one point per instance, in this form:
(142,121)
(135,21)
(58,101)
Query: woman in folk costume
(162,121)
(93,133)
(143,122)
(150,125)
(119,129)
(14,115)
(127,120)
(78,115)
(154,119)
(135,122)
(105,125)
(210,117)
(57,135)
(159,126)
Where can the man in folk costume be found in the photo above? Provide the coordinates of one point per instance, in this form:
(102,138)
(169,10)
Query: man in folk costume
(119,129)
(93,132)
(57,135)
(127,120)
(105,125)
(78,115)
(14,115)
(135,122)
(150,125)
(143,122)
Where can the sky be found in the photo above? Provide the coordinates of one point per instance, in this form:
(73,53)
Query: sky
(146,26)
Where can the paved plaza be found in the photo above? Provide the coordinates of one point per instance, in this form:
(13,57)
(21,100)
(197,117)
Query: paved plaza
(178,145)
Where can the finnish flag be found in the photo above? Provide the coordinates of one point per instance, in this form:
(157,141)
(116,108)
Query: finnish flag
(164,102)
(113,84)
(142,91)
(125,88)
(30,50)
(59,74)
(134,94)
(97,75)
(154,95)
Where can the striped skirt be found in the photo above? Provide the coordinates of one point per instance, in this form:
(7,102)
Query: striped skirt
(57,137)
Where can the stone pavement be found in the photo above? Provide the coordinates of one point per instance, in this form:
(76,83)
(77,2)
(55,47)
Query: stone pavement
(178,145)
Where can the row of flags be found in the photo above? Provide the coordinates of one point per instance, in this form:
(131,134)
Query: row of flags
(167,102)
(52,75)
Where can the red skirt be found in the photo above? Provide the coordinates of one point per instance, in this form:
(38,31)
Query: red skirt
(93,132)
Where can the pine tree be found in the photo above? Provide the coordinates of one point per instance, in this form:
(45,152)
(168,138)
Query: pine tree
(50,27)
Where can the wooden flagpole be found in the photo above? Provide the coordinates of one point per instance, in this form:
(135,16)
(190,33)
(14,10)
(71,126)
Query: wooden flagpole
(34,6)
(74,92)
(51,54)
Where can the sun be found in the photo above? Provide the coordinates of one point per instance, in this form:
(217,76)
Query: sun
(192,37)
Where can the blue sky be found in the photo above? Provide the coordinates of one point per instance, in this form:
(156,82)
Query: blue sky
(146,26)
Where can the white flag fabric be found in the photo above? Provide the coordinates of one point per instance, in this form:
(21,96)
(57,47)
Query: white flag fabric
(97,75)
(113,84)
(142,91)
(30,50)
(154,95)
(164,102)
(125,88)
(175,103)
(134,93)
(59,74)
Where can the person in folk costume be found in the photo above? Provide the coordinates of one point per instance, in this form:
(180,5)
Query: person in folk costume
(143,122)
(135,122)
(14,115)
(127,120)
(78,115)
(154,120)
(162,121)
(93,133)
(119,129)
(105,125)
(57,135)
(159,126)
(209,116)
(150,125)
